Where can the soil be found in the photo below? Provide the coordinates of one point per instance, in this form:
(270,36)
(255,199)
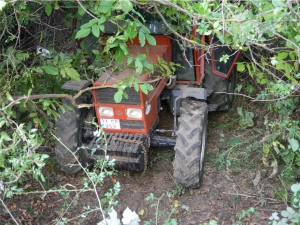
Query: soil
(231,184)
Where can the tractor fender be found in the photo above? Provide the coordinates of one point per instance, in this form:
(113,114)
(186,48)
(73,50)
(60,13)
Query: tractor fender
(76,85)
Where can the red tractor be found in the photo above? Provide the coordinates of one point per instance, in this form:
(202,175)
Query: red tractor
(200,86)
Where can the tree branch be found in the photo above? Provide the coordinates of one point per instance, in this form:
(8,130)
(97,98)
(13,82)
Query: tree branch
(4,205)
(176,33)
(289,3)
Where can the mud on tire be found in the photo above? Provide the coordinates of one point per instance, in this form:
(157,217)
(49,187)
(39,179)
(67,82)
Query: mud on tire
(219,84)
(69,131)
(190,144)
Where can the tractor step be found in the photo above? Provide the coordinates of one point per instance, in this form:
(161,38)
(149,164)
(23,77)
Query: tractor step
(126,149)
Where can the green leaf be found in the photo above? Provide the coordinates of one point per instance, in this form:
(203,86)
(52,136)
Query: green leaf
(48,9)
(8,96)
(294,144)
(105,6)
(86,25)
(5,136)
(282,55)
(151,40)
(240,111)
(240,67)
(34,114)
(129,60)
(29,92)
(72,73)
(144,89)
(131,30)
(136,86)
(126,5)
(119,55)
(224,58)
(125,95)
(95,30)
(124,48)
(2,159)
(208,32)
(141,57)
(142,38)
(138,66)
(235,141)
(118,96)
(102,20)
(50,70)
(36,120)
(278,3)
(81,11)
(63,73)
(96,52)
(216,24)
(148,86)
(83,33)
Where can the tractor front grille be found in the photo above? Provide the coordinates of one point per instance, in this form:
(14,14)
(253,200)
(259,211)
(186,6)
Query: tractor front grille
(106,95)
(132,124)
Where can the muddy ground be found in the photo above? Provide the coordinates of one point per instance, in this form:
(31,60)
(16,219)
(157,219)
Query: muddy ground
(234,181)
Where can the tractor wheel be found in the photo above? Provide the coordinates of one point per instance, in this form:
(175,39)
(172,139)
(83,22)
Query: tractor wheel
(190,143)
(70,128)
(219,84)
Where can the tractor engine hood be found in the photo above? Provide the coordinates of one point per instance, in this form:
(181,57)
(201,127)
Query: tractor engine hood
(110,77)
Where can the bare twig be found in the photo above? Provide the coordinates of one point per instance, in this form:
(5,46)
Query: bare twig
(248,196)
(176,33)
(168,172)
(289,3)
(13,218)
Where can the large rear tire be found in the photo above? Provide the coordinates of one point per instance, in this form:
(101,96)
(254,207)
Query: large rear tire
(190,144)
(70,128)
(219,84)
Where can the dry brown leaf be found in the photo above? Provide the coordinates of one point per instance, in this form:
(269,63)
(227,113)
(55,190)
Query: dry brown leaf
(176,203)
(275,169)
(141,212)
(27,186)
(14,206)
(113,180)
(257,178)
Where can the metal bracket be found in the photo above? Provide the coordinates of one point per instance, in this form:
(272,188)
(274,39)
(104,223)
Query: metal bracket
(198,93)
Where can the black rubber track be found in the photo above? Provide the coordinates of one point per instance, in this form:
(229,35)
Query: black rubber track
(190,143)
(219,84)
(69,131)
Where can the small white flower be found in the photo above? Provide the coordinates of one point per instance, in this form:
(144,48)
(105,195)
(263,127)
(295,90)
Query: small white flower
(97,133)
(130,218)
(112,220)
(2,4)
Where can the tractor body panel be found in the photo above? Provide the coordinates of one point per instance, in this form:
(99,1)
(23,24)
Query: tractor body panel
(119,120)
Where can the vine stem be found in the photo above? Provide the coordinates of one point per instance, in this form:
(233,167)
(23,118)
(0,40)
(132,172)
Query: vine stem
(157,208)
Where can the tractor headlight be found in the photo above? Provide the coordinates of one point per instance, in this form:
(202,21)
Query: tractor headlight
(134,113)
(106,111)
